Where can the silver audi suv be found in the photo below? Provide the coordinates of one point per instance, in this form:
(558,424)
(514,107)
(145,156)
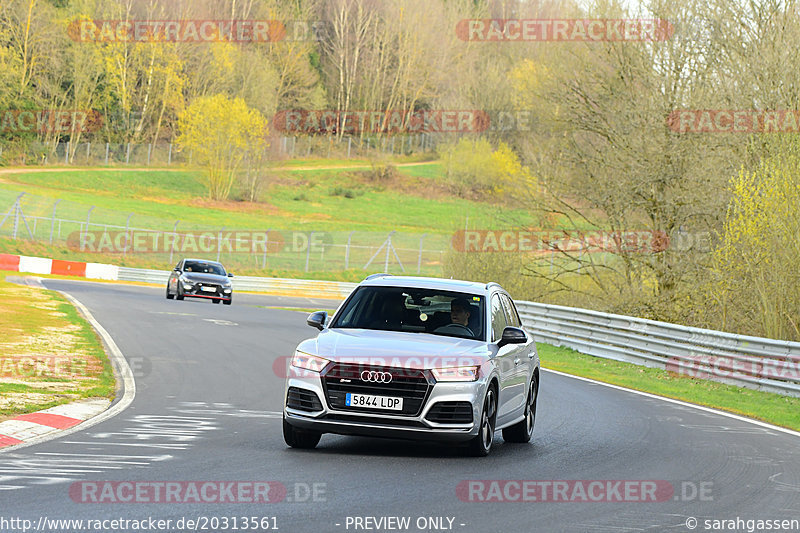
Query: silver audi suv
(415,358)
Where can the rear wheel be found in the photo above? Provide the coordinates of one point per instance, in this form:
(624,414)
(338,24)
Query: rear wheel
(481,445)
(297,438)
(522,431)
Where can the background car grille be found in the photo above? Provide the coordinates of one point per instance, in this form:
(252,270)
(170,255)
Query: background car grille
(450,413)
(411,385)
(304,400)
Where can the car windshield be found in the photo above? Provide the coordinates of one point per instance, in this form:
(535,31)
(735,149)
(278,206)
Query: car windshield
(436,312)
(203,268)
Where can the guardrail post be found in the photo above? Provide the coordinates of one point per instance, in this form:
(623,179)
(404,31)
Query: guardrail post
(128,154)
(169,156)
(66,153)
(107,148)
(349,145)
(53,224)
(149,153)
(88,150)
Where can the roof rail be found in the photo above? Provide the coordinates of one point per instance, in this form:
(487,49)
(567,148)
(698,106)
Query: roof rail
(380,275)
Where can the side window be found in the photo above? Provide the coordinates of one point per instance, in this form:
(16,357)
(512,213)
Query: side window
(511,311)
(499,321)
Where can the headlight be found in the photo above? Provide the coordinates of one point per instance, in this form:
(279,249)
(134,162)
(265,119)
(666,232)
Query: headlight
(308,362)
(456,373)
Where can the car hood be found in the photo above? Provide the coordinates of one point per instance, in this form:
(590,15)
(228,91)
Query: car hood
(395,348)
(204,278)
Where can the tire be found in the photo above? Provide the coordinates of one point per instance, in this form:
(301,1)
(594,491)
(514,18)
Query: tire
(229,301)
(481,445)
(179,295)
(522,431)
(297,438)
(216,300)
(169,296)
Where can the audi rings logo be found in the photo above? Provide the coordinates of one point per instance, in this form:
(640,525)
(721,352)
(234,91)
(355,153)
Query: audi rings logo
(371,376)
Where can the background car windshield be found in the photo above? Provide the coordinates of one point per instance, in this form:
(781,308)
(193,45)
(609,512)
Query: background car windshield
(412,310)
(203,268)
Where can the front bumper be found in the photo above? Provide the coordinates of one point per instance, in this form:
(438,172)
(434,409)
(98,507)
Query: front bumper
(351,422)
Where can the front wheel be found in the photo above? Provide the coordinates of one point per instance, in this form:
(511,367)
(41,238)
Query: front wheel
(522,431)
(170,296)
(229,301)
(297,438)
(481,445)
(216,300)
(179,295)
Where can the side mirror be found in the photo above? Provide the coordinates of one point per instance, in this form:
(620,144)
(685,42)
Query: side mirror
(176,269)
(317,320)
(512,335)
(230,275)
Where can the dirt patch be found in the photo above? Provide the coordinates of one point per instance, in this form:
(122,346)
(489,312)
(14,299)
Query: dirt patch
(239,207)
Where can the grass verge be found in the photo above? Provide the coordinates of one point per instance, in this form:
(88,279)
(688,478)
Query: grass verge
(776,409)
(49,355)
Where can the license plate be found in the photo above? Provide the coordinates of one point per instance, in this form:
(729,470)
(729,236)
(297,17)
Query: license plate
(208,289)
(373,402)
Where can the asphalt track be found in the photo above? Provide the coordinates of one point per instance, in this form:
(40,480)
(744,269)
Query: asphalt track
(207,408)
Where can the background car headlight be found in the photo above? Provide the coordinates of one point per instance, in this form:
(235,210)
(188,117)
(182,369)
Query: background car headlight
(456,373)
(308,362)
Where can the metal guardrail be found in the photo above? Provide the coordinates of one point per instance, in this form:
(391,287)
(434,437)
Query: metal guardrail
(753,362)
(301,287)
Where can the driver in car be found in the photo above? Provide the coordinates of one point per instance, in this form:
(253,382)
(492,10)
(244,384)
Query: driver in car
(459,316)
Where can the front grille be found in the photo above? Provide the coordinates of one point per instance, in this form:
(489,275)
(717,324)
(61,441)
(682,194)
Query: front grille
(411,385)
(450,413)
(303,400)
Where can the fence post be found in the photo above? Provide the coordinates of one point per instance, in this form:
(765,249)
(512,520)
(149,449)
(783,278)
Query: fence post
(403,145)
(88,217)
(219,243)
(388,246)
(127,225)
(66,153)
(169,157)
(107,147)
(266,247)
(149,153)
(347,251)
(88,150)
(419,258)
(174,238)
(128,154)
(349,145)
(308,249)
(53,224)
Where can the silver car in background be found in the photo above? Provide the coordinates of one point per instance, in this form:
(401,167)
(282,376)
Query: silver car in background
(415,358)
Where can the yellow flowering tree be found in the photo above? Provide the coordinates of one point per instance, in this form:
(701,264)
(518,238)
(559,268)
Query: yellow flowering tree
(221,133)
